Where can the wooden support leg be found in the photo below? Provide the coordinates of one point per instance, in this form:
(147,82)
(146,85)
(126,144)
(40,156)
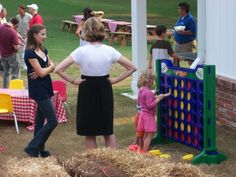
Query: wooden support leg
(111,39)
(63,26)
(124,41)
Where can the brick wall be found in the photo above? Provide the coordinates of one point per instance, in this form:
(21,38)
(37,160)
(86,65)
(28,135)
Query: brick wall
(226,102)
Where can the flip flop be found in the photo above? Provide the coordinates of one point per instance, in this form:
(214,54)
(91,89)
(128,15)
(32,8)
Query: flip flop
(133,147)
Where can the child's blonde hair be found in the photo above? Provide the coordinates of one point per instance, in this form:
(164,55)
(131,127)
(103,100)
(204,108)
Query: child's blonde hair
(145,77)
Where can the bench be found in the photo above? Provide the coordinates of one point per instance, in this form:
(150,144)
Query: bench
(70,25)
(122,37)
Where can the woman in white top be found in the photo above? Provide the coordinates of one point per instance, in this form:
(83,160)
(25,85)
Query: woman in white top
(95,97)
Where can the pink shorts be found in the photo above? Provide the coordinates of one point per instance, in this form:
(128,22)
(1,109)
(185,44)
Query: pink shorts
(147,122)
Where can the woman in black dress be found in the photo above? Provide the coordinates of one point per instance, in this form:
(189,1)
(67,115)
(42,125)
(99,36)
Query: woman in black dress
(95,97)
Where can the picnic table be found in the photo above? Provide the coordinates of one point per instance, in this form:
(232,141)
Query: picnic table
(122,31)
(25,108)
(78,19)
(123,26)
(70,25)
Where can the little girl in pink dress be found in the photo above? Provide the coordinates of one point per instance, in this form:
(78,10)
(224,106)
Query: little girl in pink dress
(148,102)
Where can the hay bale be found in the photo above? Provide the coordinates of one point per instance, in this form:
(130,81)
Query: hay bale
(80,165)
(34,167)
(129,164)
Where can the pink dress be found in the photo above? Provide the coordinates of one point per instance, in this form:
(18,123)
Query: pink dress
(147,101)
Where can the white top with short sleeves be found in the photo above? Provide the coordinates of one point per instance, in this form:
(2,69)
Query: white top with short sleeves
(95,59)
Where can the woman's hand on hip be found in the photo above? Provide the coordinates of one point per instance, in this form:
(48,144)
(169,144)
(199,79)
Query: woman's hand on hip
(77,82)
(112,80)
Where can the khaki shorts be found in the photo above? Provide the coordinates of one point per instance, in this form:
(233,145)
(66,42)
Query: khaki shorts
(186,47)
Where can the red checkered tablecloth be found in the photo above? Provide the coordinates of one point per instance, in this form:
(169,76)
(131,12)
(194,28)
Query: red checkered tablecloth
(25,108)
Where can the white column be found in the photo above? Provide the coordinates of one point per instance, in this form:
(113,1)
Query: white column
(201,34)
(201,29)
(139,39)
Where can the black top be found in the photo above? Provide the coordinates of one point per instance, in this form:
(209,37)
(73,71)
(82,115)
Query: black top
(39,88)
(162,44)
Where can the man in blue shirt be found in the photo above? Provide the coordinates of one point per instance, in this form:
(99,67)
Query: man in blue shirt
(185,37)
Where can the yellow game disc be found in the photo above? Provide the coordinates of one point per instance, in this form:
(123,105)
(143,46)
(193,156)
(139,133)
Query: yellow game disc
(175,82)
(189,128)
(176,124)
(182,84)
(3,110)
(176,114)
(155,152)
(188,107)
(182,115)
(188,96)
(181,105)
(188,157)
(182,126)
(166,156)
(182,94)
(175,93)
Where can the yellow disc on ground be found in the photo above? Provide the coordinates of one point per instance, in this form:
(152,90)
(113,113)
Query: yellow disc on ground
(182,126)
(176,114)
(175,82)
(155,152)
(166,156)
(175,93)
(182,83)
(3,110)
(170,112)
(188,106)
(176,124)
(188,157)
(188,96)
(189,128)
(182,115)
(181,105)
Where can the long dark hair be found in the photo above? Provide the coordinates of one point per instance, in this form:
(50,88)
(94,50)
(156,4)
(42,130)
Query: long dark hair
(87,13)
(31,41)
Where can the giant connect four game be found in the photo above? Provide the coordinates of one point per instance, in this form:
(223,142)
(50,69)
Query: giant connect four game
(187,116)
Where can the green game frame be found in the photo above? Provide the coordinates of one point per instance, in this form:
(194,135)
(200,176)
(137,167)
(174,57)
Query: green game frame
(209,152)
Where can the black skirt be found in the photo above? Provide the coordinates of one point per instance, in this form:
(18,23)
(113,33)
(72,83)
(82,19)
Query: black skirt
(95,107)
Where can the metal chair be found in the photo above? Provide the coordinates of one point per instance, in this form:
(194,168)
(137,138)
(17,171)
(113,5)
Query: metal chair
(60,86)
(16,84)
(6,107)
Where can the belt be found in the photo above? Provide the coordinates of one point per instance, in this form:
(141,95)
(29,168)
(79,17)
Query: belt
(184,42)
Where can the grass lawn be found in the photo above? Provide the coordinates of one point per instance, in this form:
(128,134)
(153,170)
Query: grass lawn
(64,141)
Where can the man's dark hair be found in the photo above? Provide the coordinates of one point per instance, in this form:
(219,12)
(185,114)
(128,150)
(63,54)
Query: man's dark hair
(160,29)
(14,21)
(22,6)
(185,6)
